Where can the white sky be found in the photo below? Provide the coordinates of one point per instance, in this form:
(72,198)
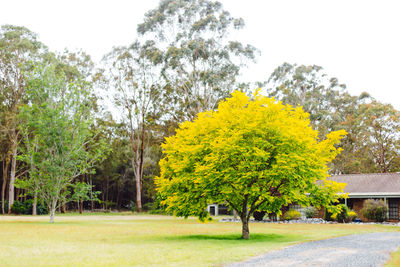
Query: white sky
(355,41)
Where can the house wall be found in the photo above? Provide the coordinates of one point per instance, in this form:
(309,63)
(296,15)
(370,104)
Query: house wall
(357,204)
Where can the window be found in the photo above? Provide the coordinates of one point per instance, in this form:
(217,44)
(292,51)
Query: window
(295,206)
(393,209)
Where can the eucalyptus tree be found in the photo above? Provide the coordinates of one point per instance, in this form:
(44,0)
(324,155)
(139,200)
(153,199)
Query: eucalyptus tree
(19,48)
(134,73)
(330,106)
(322,96)
(200,63)
(4,148)
(58,117)
(378,131)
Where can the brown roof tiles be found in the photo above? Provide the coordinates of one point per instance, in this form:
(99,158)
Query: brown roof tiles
(370,183)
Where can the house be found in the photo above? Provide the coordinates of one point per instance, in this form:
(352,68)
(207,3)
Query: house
(384,186)
(359,187)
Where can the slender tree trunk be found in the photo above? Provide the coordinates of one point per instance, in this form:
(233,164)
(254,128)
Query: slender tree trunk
(138,191)
(245,227)
(91,201)
(12,175)
(34,205)
(52,208)
(136,161)
(81,206)
(107,187)
(3,187)
(141,162)
(17,194)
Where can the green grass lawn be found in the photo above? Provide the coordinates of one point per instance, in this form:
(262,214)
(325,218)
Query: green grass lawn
(145,240)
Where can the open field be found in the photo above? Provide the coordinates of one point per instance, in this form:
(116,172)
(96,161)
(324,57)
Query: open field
(126,240)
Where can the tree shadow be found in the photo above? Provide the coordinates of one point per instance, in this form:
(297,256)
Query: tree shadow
(273,238)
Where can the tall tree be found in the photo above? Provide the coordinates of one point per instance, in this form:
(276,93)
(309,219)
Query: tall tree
(378,127)
(59,116)
(18,49)
(327,100)
(133,72)
(330,106)
(250,154)
(200,63)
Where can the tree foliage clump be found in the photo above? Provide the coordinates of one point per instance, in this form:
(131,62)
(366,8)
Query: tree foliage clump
(59,144)
(252,153)
(375,210)
(200,62)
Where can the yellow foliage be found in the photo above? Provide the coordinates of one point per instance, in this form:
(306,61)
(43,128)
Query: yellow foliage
(251,152)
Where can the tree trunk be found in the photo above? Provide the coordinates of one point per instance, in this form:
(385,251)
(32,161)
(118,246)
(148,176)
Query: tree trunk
(141,164)
(245,228)
(139,193)
(34,205)
(3,188)
(17,194)
(12,175)
(80,206)
(53,207)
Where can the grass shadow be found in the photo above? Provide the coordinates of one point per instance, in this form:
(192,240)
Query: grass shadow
(267,238)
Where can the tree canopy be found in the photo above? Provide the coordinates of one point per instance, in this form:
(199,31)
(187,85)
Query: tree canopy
(252,154)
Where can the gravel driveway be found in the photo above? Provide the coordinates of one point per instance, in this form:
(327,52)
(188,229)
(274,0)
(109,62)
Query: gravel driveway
(354,250)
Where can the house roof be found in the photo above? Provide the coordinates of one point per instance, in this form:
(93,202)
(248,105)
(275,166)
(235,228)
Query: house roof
(373,184)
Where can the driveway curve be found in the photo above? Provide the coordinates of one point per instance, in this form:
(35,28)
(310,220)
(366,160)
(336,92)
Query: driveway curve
(347,251)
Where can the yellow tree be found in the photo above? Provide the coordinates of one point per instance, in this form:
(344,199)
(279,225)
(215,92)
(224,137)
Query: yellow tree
(252,154)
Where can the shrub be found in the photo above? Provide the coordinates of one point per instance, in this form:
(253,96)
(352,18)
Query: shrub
(343,215)
(328,215)
(375,210)
(310,212)
(132,206)
(18,207)
(291,215)
(259,215)
(352,215)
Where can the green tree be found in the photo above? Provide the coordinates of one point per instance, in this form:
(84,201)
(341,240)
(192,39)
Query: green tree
(327,100)
(200,63)
(133,72)
(330,106)
(19,48)
(83,192)
(252,154)
(59,116)
(378,128)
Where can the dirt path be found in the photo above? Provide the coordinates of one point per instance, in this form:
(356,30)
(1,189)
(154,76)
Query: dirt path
(347,251)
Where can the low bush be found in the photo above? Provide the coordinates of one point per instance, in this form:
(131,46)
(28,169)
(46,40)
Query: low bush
(25,207)
(291,215)
(343,215)
(18,207)
(352,215)
(374,210)
(310,212)
(132,206)
(328,215)
(259,215)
